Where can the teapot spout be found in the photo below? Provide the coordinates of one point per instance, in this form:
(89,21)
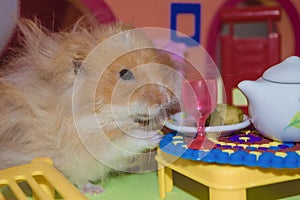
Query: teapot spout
(248,88)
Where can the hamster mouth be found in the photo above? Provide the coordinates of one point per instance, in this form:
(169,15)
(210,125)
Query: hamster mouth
(149,121)
(144,121)
(151,118)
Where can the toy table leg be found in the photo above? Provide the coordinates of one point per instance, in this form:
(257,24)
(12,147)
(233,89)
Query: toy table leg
(161,181)
(219,194)
(165,180)
(1,196)
(169,179)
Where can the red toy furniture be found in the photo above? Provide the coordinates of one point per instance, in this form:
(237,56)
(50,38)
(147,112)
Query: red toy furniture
(247,57)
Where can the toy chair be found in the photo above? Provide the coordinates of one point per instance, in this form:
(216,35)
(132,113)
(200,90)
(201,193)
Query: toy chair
(224,181)
(247,57)
(43,179)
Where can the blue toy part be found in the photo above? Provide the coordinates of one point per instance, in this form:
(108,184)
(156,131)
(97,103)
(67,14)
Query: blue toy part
(186,8)
(282,155)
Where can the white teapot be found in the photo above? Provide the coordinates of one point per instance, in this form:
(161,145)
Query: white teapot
(274,101)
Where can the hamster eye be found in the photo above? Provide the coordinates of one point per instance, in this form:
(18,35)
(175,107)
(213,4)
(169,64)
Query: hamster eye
(126,74)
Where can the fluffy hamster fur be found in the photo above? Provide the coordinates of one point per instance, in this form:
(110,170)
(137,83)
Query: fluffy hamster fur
(36,87)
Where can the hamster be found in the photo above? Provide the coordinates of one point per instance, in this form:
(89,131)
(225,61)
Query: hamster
(37,87)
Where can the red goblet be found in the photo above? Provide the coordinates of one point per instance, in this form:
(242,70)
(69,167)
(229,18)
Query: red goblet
(199,100)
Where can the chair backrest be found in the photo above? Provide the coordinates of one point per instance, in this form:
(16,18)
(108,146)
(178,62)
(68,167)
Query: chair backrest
(247,57)
(37,180)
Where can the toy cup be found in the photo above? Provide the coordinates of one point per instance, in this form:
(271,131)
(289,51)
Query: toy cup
(199,100)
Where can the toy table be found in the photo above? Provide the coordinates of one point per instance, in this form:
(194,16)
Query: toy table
(224,181)
(229,177)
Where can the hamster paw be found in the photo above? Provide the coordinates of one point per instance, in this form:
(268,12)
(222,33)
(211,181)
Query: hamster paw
(151,141)
(90,188)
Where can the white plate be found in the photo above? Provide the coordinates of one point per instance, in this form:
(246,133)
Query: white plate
(178,121)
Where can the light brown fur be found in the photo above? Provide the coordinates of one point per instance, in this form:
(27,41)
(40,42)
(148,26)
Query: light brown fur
(36,89)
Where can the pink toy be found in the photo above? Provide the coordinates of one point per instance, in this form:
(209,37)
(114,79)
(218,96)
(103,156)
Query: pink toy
(200,99)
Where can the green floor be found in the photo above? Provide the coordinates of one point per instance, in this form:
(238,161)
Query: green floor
(137,186)
(145,186)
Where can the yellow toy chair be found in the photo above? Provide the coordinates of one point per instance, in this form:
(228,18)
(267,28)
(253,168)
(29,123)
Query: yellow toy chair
(44,180)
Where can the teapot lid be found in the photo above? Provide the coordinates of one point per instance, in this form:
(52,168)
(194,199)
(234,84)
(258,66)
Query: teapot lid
(287,71)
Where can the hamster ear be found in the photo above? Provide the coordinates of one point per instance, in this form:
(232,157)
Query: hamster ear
(37,40)
(77,64)
(34,34)
(32,30)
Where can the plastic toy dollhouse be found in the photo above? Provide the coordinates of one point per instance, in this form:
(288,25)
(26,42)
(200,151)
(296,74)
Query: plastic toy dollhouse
(281,17)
